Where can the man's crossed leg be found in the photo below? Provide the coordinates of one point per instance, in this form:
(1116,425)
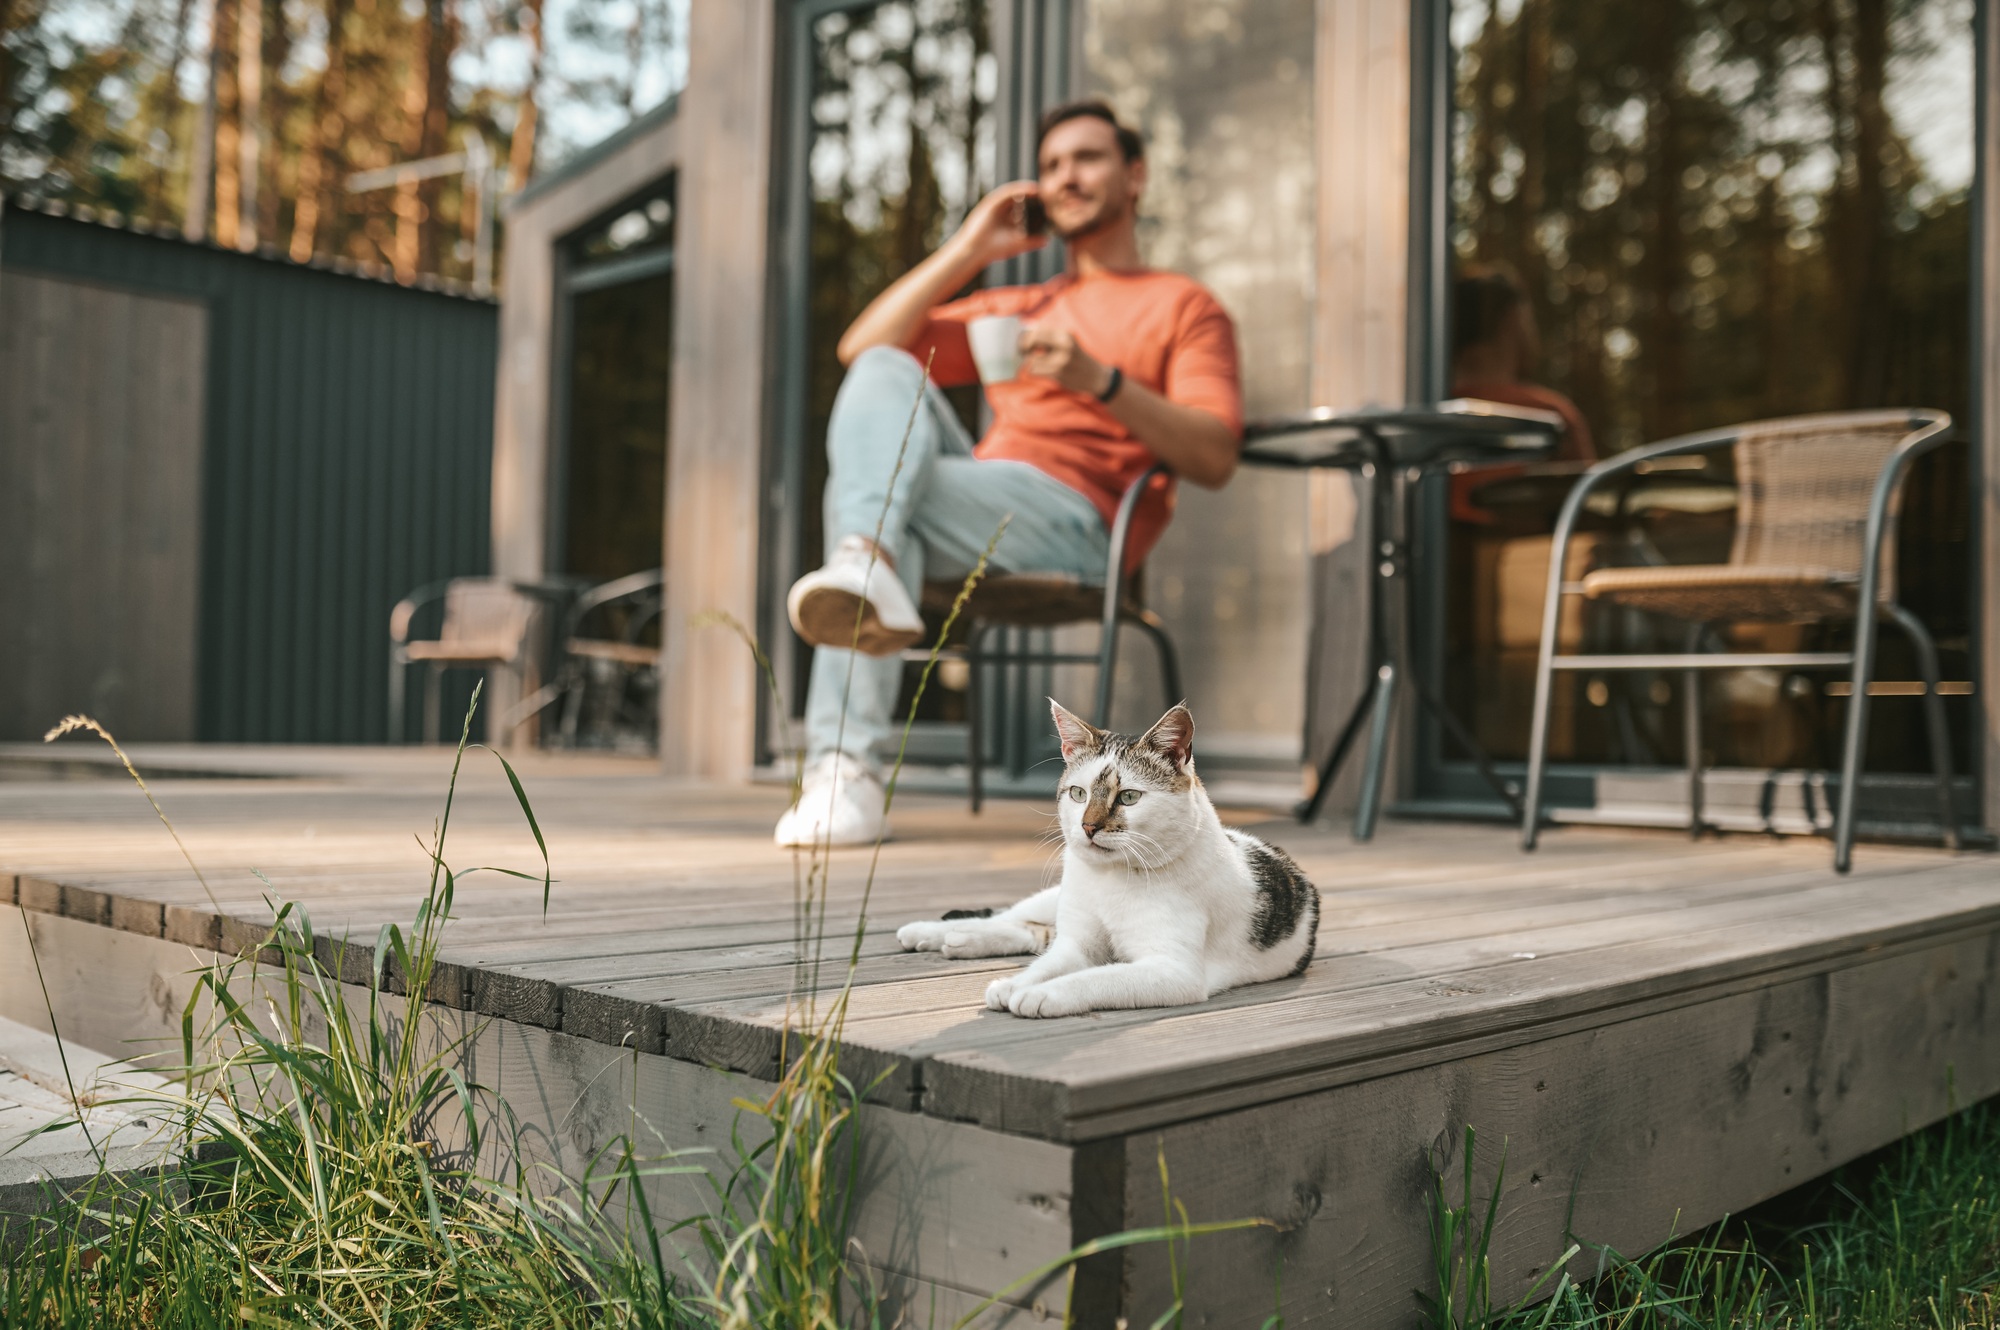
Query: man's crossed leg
(935,516)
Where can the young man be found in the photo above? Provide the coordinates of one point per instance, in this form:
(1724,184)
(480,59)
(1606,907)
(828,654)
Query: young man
(1121,366)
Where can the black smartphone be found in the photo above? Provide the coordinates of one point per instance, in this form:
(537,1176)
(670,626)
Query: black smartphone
(1034,217)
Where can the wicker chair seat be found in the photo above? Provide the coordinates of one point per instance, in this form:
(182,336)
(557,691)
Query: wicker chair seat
(1710,593)
(463,651)
(1024,600)
(636,654)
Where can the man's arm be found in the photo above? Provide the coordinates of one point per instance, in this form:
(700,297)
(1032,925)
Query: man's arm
(1195,445)
(991,232)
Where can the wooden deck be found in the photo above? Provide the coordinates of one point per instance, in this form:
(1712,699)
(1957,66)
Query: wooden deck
(1659,1027)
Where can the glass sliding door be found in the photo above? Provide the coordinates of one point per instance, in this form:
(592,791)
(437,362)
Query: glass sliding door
(617,305)
(890,140)
(1709,212)
(1223,93)
(608,463)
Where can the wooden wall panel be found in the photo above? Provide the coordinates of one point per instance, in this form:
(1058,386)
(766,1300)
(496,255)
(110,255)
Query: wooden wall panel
(1362,83)
(101,426)
(714,485)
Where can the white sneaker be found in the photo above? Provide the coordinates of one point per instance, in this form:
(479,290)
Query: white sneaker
(824,603)
(840,803)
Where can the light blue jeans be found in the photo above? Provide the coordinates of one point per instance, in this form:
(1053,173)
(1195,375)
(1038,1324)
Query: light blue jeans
(941,510)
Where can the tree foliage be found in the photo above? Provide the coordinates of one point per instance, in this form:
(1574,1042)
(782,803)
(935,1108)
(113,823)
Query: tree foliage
(102,105)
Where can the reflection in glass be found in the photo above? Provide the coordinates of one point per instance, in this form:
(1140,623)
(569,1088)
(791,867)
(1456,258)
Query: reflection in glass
(900,145)
(1222,92)
(1718,212)
(620,334)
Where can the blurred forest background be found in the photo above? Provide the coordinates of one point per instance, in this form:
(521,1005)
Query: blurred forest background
(241,121)
(1724,209)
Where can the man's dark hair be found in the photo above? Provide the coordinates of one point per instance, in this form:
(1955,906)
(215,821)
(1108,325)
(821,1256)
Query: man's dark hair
(1482,298)
(1129,141)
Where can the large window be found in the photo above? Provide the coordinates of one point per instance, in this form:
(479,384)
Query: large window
(617,289)
(1718,211)
(1223,94)
(894,143)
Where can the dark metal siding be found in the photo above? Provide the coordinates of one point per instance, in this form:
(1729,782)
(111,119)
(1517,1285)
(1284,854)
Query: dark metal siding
(348,460)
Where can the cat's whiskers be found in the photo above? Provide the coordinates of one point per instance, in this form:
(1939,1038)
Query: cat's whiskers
(1144,841)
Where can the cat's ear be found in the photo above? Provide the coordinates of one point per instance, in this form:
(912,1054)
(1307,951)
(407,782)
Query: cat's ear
(1078,735)
(1172,736)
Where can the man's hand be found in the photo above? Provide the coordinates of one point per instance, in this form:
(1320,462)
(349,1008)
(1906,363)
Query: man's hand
(1195,445)
(992,231)
(1052,353)
(995,228)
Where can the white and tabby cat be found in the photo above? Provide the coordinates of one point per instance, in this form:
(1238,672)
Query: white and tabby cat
(1159,903)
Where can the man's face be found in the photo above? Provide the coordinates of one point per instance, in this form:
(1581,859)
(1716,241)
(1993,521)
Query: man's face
(1086,182)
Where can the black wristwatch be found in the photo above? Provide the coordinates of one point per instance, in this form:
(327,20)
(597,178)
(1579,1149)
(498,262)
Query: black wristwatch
(1111,388)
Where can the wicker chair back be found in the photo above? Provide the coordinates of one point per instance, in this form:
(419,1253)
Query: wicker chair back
(1802,493)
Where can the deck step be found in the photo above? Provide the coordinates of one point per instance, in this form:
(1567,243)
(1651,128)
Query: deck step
(41,1161)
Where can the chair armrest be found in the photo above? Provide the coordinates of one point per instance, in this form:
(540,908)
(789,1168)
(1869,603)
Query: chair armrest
(406,609)
(1929,429)
(1624,462)
(604,593)
(1121,525)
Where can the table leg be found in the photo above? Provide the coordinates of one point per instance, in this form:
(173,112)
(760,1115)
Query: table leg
(1329,769)
(1370,805)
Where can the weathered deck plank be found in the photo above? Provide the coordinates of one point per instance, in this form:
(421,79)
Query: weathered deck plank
(1654,982)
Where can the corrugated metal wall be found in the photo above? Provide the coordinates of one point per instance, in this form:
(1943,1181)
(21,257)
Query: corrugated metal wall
(348,459)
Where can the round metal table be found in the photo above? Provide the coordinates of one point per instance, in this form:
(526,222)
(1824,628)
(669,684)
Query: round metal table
(1394,448)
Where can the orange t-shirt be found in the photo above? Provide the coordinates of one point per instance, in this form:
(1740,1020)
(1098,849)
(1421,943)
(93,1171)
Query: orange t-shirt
(1161,329)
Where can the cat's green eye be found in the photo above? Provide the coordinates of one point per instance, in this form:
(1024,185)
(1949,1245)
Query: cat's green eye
(1078,793)
(1129,797)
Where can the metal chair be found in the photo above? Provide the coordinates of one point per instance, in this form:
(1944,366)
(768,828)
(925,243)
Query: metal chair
(486,624)
(1047,600)
(580,654)
(622,656)
(1818,499)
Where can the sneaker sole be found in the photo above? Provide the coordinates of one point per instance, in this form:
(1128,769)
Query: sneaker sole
(824,616)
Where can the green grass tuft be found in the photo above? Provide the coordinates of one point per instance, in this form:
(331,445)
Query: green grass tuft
(325,1170)
(1905,1239)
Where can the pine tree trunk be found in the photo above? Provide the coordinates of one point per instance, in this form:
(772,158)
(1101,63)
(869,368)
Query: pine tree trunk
(228,194)
(426,106)
(521,150)
(201,160)
(1868,277)
(250,117)
(324,161)
(277,110)
(440,38)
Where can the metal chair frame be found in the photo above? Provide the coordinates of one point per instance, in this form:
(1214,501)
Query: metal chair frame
(574,675)
(400,618)
(1927,430)
(1117,612)
(569,682)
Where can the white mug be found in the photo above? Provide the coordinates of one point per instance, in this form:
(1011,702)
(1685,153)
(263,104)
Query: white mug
(996,347)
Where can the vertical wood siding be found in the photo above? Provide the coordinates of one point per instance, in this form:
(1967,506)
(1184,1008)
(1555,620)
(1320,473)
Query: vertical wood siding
(346,460)
(100,507)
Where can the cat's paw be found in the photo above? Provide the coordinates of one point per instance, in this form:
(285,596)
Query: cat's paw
(924,935)
(1000,992)
(988,939)
(1042,1001)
